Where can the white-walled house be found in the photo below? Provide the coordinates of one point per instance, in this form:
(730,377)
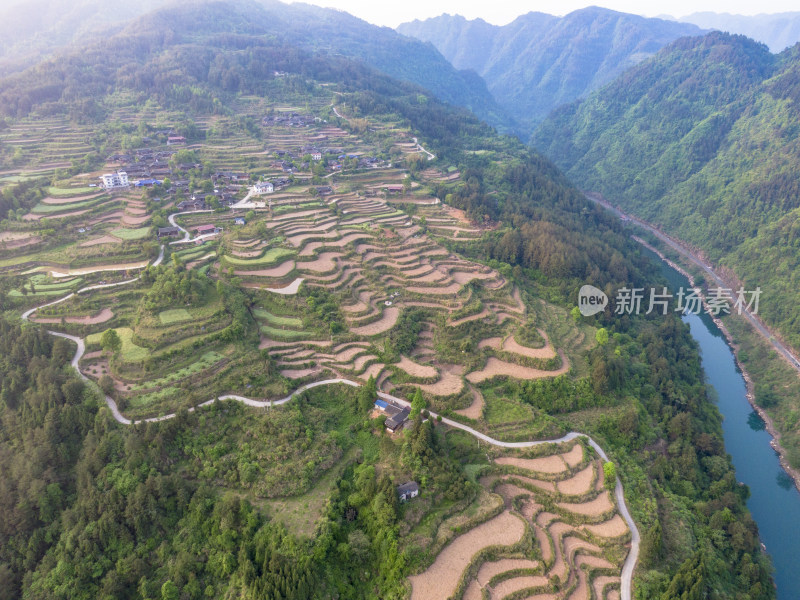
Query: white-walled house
(263,187)
(115,180)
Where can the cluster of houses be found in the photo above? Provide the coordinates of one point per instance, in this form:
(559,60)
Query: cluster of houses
(288,120)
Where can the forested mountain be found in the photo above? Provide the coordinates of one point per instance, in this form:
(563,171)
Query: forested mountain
(53,24)
(93,509)
(778,30)
(539,61)
(703,140)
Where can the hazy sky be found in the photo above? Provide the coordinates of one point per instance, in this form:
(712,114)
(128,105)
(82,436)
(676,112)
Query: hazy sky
(393,12)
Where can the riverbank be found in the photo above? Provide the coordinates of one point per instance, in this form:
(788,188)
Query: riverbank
(769,423)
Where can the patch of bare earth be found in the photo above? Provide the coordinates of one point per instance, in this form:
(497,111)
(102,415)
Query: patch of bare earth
(612,528)
(385,323)
(449,383)
(593,508)
(415,369)
(70,200)
(439,581)
(105,239)
(474,410)
(545,464)
(280,271)
(578,484)
(511,345)
(496,367)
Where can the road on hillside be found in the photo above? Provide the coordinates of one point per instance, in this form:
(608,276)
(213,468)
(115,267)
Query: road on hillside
(679,247)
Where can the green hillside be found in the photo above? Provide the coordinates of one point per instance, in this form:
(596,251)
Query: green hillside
(703,140)
(421,255)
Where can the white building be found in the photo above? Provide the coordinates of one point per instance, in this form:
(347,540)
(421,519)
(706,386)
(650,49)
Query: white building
(263,187)
(316,156)
(115,180)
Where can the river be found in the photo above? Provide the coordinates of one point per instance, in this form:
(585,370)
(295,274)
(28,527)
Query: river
(774,501)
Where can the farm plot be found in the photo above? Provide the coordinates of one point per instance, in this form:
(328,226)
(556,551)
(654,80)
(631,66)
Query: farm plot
(129,351)
(571,555)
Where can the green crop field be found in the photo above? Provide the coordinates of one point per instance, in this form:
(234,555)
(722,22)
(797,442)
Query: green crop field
(131,234)
(284,334)
(65,192)
(130,351)
(207,360)
(57,208)
(277,319)
(271,256)
(174,315)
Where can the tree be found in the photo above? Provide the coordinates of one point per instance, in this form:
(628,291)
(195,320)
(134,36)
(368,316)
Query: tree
(169,591)
(111,341)
(367,394)
(610,475)
(418,403)
(601,336)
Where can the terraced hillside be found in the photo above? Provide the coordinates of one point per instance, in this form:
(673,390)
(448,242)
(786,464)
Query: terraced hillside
(547,528)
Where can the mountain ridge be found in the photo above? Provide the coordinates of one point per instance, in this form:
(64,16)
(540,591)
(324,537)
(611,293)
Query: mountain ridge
(538,61)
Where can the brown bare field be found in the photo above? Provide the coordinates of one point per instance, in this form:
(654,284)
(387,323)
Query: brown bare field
(385,323)
(101,317)
(481,315)
(439,581)
(450,382)
(490,569)
(66,272)
(492,342)
(473,591)
(612,528)
(453,288)
(299,373)
(265,343)
(495,367)
(326,261)
(575,455)
(280,271)
(14,236)
(545,464)
(134,220)
(474,410)
(374,370)
(136,211)
(543,485)
(578,484)
(36,217)
(600,582)
(105,239)
(70,200)
(511,345)
(415,369)
(509,586)
(110,217)
(594,508)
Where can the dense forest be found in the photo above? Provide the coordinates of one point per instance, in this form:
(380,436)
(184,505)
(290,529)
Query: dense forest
(177,509)
(702,140)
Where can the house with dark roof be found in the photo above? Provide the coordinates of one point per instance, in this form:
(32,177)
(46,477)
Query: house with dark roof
(395,421)
(408,490)
(169,232)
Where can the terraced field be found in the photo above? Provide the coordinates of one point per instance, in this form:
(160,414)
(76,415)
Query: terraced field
(555,533)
